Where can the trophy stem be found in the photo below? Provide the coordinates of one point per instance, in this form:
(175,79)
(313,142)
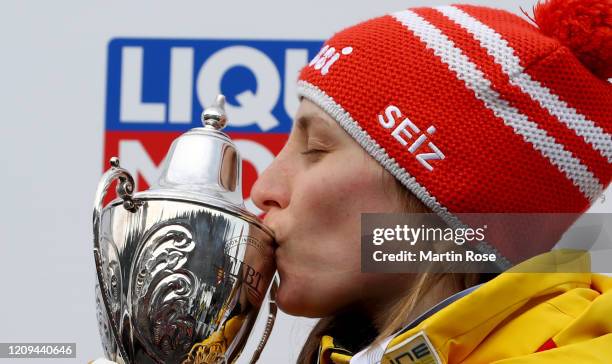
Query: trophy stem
(125,188)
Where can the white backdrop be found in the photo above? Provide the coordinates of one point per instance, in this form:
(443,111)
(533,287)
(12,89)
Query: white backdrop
(52,84)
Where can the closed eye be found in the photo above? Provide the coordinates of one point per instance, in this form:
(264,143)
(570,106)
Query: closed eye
(313,151)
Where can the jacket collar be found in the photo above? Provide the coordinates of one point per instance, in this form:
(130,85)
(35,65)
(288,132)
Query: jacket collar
(431,334)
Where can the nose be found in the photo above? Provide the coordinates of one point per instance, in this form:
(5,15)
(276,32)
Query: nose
(271,190)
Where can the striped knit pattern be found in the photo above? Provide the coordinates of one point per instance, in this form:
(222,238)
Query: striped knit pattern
(493,116)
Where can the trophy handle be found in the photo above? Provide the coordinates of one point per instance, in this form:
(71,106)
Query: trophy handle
(125,189)
(272,310)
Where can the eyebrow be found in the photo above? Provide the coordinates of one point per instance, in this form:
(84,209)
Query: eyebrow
(304,122)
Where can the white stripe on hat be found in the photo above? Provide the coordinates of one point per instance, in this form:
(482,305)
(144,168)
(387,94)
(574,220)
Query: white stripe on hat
(505,56)
(476,81)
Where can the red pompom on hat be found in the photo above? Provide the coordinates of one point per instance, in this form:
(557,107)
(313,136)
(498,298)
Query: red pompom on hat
(584,26)
(477,110)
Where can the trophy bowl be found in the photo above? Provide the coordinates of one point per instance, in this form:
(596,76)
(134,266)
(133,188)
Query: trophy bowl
(182,268)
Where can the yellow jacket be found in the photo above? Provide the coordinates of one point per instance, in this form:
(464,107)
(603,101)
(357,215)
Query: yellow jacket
(515,318)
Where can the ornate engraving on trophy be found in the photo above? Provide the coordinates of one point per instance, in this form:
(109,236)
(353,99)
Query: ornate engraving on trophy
(163,292)
(111,273)
(108,345)
(114,286)
(167,253)
(240,271)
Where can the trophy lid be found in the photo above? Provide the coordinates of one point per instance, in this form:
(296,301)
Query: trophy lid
(204,164)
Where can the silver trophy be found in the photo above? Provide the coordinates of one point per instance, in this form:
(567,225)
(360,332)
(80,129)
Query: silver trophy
(182,268)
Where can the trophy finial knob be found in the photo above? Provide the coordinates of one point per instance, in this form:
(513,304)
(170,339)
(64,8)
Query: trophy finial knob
(214,116)
(114,162)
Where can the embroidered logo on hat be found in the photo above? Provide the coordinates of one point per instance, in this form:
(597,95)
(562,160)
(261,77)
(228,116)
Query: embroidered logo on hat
(434,153)
(327,56)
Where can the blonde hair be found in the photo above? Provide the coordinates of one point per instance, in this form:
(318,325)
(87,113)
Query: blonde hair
(345,326)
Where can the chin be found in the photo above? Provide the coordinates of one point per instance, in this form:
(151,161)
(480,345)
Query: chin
(297,299)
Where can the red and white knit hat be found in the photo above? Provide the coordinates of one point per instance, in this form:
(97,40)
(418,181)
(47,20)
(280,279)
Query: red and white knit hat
(474,109)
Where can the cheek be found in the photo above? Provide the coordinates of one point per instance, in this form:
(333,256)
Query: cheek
(328,211)
(327,203)
(321,269)
(344,188)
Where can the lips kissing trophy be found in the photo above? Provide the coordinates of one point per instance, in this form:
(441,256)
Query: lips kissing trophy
(182,268)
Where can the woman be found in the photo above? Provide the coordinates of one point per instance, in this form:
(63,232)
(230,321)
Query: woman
(446,110)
